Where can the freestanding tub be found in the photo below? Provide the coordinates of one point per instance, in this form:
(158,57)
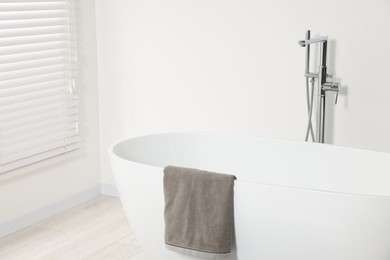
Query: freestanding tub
(292,200)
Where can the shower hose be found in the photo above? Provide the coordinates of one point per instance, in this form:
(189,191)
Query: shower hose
(310,102)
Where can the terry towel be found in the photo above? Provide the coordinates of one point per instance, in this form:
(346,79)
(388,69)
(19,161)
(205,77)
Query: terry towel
(198,212)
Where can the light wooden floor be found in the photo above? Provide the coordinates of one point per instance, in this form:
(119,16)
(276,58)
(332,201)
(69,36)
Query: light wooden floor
(97,229)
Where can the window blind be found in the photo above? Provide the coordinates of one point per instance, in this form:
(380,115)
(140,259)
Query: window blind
(38,95)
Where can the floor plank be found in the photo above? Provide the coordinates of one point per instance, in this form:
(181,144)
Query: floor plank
(97,229)
(91,244)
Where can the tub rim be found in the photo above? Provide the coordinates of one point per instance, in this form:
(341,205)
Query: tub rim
(270,185)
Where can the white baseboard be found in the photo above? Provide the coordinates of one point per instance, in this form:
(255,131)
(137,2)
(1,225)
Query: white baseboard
(109,190)
(48,211)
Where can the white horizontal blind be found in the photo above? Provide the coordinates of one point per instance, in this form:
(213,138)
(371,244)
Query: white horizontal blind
(38,96)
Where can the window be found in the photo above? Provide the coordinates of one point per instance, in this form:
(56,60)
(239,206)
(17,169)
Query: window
(38,95)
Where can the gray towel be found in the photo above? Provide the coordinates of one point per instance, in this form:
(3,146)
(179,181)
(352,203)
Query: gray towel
(198,212)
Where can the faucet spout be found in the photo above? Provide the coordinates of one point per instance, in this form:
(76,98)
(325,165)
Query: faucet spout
(313,40)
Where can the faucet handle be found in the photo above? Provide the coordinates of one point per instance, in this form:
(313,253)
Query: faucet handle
(332,86)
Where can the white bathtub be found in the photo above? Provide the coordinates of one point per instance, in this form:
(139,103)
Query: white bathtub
(293,200)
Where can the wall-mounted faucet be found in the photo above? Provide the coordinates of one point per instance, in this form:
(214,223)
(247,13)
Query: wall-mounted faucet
(323,85)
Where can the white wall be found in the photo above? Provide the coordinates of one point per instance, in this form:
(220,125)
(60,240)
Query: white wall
(63,182)
(235,67)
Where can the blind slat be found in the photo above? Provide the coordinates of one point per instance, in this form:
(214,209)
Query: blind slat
(59,101)
(31,56)
(39,149)
(35,107)
(34,1)
(26,97)
(31,39)
(33,6)
(11,148)
(26,15)
(44,22)
(8,71)
(43,46)
(38,157)
(32,72)
(17,135)
(35,79)
(31,31)
(14,127)
(31,88)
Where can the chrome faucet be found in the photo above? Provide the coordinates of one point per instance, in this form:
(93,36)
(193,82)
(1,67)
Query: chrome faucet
(323,85)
